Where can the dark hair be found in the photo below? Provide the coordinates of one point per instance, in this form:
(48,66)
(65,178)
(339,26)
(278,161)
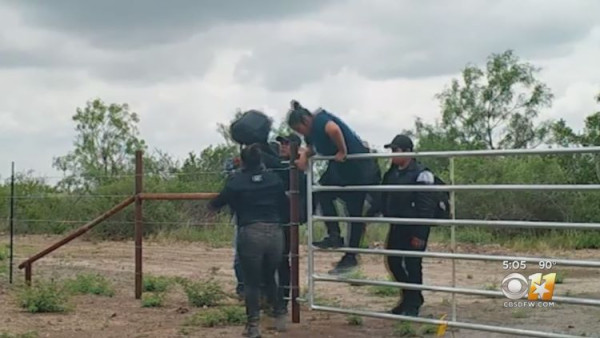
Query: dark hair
(251,156)
(297,114)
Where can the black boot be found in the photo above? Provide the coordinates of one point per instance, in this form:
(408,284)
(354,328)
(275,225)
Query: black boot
(252,330)
(345,265)
(330,242)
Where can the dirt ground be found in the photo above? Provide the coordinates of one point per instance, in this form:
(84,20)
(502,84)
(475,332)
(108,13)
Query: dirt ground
(123,316)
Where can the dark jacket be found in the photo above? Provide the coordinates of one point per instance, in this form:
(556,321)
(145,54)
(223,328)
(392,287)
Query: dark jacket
(273,162)
(408,204)
(255,196)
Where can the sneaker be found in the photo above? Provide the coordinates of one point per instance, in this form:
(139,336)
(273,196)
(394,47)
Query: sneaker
(330,242)
(345,265)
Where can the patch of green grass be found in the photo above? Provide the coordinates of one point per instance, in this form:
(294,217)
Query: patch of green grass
(91,284)
(181,281)
(204,293)
(4,253)
(355,274)
(152,299)
(354,320)
(490,286)
(560,277)
(520,313)
(44,296)
(30,334)
(156,283)
(474,235)
(404,329)
(216,236)
(384,291)
(326,301)
(428,329)
(221,316)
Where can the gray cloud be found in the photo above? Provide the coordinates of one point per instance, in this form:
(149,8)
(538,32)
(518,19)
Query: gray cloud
(138,23)
(389,39)
(292,43)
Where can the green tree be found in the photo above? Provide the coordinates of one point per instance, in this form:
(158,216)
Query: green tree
(105,144)
(583,168)
(496,107)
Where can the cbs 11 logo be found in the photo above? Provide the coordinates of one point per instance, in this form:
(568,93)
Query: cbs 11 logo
(536,286)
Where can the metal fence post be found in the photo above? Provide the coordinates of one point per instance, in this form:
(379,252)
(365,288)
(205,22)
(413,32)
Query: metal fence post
(293,230)
(139,226)
(453,236)
(12,223)
(309,226)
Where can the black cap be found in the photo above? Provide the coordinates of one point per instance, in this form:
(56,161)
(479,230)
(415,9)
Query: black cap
(291,138)
(400,142)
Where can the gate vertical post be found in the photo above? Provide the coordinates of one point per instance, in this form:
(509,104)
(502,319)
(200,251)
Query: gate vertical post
(309,226)
(139,226)
(294,234)
(453,236)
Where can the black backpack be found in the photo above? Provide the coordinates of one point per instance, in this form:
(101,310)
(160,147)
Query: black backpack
(252,127)
(443,201)
(442,198)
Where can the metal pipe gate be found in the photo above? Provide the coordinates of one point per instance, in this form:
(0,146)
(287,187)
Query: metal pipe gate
(453,256)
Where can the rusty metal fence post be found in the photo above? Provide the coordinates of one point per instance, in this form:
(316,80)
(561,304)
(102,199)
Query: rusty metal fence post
(294,234)
(139,226)
(28,274)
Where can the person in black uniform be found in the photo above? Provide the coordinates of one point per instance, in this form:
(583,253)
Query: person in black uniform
(284,153)
(271,161)
(407,204)
(258,199)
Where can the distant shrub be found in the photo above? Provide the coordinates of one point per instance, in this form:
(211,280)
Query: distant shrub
(223,316)
(156,283)
(91,284)
(44,297)
(152,299)
(204,293)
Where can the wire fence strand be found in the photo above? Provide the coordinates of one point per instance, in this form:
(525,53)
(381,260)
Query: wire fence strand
(148,175)
(121,222)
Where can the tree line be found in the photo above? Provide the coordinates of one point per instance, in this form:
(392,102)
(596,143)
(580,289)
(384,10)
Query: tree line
(495,106)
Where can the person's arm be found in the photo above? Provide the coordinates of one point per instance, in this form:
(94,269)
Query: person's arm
(304,153)
(284,204)
(335,134)
(222,199)
(425,202)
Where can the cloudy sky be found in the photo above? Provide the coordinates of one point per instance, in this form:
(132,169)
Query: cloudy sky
(186,65)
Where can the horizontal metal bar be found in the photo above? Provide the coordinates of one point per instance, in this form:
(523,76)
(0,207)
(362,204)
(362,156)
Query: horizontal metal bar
(447,289)
(474,257)
(178,196)
(473,187)
(459,222)
(471,153)
(460,325)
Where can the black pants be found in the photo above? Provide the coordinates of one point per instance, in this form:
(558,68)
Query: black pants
(260,247)
(355,201)
(407,269)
